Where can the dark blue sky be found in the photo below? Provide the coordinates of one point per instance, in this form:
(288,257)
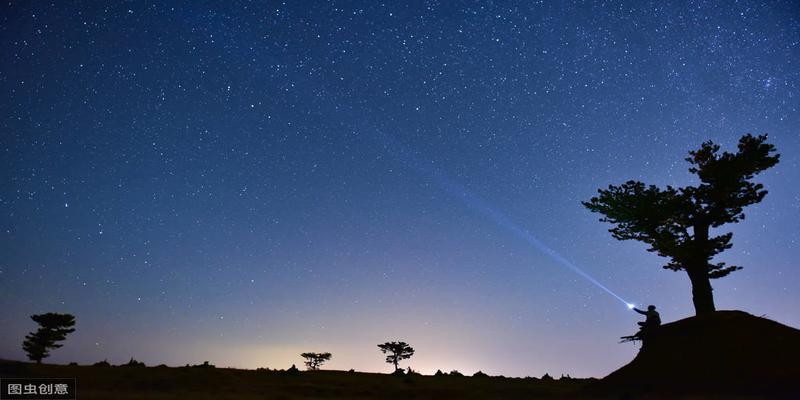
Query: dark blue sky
(240,182)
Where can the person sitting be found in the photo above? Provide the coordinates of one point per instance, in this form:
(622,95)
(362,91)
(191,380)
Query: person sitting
(653,320)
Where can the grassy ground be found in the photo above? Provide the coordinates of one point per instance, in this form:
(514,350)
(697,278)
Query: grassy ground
(223,383)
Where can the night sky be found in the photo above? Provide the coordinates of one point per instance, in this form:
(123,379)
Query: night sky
(241,182)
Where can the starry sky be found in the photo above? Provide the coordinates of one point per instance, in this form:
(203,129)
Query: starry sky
(240,182)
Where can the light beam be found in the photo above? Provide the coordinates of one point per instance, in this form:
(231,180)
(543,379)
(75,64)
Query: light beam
(404,155)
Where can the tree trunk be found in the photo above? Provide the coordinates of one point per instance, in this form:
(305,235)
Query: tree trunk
(702,293)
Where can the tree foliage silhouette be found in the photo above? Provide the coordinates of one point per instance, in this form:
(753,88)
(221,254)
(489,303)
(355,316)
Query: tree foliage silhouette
(53,328)
(676,222)
(396,351)
(314,360)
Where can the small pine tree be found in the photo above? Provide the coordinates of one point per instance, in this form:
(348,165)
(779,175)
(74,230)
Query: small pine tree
(314,360)
(53,328)
(397,351)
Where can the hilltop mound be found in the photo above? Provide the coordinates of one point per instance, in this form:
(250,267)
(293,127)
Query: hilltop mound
(727,352)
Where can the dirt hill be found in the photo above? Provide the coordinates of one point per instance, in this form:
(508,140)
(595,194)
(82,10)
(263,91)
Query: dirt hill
(728,352)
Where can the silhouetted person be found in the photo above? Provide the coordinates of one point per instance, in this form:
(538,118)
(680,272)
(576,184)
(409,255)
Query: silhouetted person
(653,320)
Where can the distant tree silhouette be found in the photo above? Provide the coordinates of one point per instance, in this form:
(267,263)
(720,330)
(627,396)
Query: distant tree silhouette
(134,363)
(205,364)
(675,222)
(397,351)
(293,370)
(53,328)
(314,360)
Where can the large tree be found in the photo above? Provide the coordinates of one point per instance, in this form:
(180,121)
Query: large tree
(396,351)
(676,222)
(53,328)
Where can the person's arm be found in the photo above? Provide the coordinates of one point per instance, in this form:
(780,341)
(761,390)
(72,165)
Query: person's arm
(640,311)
